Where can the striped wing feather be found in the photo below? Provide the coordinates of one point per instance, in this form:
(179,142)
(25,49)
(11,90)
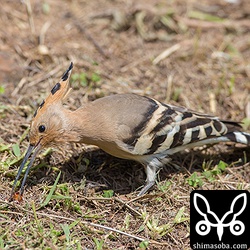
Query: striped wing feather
(169,127)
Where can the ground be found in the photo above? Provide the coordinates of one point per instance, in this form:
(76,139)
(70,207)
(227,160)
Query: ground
(188,53)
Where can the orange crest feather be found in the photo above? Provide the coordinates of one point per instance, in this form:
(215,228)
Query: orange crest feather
(60,91)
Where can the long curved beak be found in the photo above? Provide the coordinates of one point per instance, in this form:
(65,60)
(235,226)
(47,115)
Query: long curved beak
(31,148)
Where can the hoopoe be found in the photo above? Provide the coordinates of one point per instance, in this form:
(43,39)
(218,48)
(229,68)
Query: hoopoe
(127,126)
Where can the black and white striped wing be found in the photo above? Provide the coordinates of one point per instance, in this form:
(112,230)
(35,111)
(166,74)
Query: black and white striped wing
(167,128)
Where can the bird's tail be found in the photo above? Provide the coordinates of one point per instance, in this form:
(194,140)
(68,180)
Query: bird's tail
(236,136)
(240,137)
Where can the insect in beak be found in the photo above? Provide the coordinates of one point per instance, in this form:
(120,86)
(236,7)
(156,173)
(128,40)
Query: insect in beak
(18,195)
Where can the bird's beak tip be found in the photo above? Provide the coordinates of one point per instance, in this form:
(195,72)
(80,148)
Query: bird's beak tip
(17,196)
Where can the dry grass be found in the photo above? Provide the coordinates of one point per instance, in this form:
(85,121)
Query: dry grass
(190,53)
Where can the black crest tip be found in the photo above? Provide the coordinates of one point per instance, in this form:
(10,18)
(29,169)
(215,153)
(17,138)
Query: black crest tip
(66,74)
(55,88)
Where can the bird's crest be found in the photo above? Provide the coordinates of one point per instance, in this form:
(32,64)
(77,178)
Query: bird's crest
(59,92)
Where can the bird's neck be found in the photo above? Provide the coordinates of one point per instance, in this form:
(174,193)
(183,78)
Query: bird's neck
(85,125)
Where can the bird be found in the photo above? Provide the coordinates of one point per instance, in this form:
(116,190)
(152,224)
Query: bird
(127,126)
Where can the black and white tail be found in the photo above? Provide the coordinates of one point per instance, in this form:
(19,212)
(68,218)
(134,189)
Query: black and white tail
(240,137)
(168,129)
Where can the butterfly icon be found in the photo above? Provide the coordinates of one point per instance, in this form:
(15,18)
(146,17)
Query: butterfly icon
(236,227)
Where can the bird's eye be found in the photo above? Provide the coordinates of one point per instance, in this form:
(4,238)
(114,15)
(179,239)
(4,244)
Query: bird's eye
(41,128)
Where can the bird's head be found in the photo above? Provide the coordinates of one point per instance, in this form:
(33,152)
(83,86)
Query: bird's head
(47,125)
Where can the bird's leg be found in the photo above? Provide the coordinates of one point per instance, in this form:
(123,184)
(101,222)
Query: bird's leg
(151,176)
(151,169)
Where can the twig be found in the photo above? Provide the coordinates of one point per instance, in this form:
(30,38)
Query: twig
(36,81)
(46,76)
(113,230)
(134,63)
(30,16)
(9,212)
(146,196)
(71,219)
(169,87)
(112,199)
(166,53)
(82,222)
(127,206)
(91,39)
(43,31)
(19,86)
(208,25)
(212,103)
